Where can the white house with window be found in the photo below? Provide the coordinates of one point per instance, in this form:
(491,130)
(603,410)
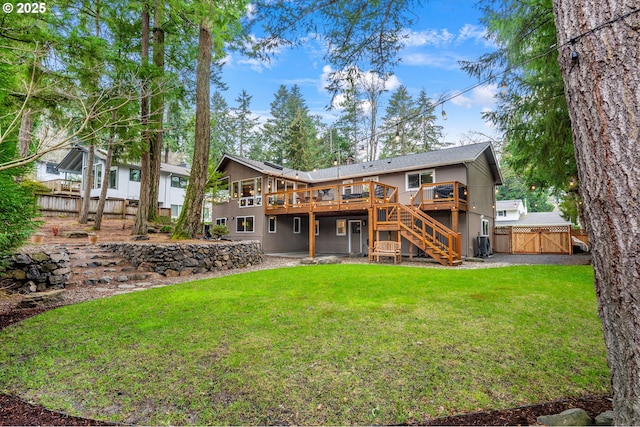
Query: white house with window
(124,179)
(510,210)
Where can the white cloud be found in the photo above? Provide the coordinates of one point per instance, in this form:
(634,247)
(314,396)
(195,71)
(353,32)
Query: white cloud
(255,64)
(429,37)
(364,79)
(482,96)
(440,60)
(476,33)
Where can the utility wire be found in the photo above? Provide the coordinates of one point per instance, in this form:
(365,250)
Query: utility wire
(493,77)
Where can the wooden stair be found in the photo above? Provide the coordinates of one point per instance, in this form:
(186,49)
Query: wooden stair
(436,240)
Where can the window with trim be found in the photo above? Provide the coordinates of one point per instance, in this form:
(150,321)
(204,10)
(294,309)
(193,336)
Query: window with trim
(135,175)
(97,175)
(113,177)
(341,227)
(273,222)
(248,192)
(244,224)
(179,182)
(52,169)
(296,225)
(221,221)
(485,228)
(317,227)
(224,190)
(502,213)
(416,179)
(175,211)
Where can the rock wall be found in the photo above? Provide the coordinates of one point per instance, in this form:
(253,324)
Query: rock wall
(35,271)
(182,259)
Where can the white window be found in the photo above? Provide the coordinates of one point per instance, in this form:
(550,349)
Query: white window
(273,222)
(317,227)
(485,228)
(248,192)
(502,214)
(175,211)
(296,225)
(347,189)
(52,168)
(244,224)
(135,175)
(113,177)
(221,221)
(97,175)
(341,227)
(416,179)
(179,181)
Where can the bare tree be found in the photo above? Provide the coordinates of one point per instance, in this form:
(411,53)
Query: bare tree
(599,50)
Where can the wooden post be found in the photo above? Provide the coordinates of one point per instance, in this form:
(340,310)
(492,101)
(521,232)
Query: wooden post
(454,219)
(370,228)
(312,235)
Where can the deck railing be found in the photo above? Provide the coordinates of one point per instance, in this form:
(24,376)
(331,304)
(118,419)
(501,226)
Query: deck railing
(441,195)
(331,197)
(63,186)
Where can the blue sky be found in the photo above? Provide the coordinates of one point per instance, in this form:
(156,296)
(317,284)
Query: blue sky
(446,32)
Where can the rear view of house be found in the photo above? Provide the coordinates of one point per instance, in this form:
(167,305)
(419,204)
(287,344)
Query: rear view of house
(434,204)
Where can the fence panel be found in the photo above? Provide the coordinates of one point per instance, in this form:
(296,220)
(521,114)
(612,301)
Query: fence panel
(502,240)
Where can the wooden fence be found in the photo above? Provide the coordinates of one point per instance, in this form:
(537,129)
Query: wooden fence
(535,240)
(70,205)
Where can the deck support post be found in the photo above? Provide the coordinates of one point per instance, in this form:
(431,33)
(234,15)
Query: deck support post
(454,219)
(312,235)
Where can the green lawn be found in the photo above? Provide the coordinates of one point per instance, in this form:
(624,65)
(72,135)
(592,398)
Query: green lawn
(332,344)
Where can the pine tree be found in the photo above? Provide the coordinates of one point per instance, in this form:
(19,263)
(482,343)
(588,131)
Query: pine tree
(245,124)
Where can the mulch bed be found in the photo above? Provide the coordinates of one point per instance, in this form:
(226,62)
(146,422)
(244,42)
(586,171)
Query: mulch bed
(14,411)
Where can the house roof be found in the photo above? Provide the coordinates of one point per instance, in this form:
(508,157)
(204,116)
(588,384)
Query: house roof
(72,163)
(430,159)
(537,219)
(507,205)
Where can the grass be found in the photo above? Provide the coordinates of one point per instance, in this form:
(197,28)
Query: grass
(334,344)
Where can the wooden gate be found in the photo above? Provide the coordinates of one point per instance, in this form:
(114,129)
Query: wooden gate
(534,240)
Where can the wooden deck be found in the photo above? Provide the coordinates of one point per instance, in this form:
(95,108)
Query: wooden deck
(354,197)
(452,195)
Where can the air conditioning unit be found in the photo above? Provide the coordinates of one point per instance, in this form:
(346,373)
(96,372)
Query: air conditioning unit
(484,246)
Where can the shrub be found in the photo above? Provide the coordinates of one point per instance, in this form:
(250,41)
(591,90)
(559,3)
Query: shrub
(166,229)
(219,230)
(35,187)
(17,211)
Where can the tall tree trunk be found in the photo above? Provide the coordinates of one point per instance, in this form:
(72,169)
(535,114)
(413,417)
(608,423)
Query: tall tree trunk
(157,109)
(105,181)
(88,185)
(189,221)
(24,135)
(602,77)
(140,225)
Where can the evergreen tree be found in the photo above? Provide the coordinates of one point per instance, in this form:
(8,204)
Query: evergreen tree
(532,110)
(222,128)
(300,147)
(275,129)
(245,124)
(397,138)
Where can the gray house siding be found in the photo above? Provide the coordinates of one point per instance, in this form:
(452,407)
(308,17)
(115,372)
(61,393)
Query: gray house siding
(472,165)
(482,200)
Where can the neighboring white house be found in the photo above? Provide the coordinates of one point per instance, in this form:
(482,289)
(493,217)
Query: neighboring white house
(124,179)
(510,210)
(514,213)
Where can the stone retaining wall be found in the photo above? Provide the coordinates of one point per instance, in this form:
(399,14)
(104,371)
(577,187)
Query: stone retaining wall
(35,271)
(182,259)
